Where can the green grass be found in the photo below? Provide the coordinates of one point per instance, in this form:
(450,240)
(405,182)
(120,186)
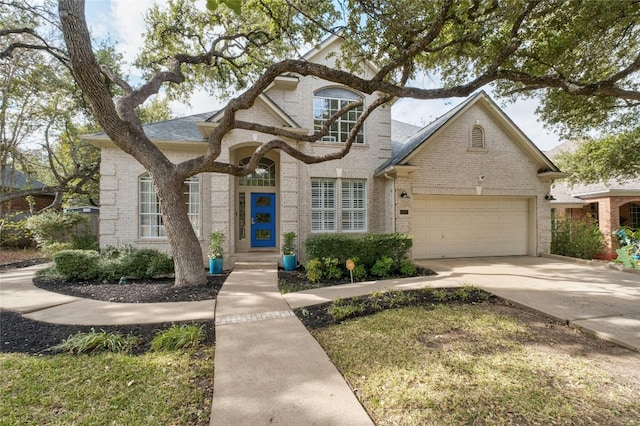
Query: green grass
(467,364)
(96,341)
(157,388)
(178,337)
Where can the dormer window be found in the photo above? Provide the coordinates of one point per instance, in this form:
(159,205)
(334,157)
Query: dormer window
(327,102)
(477,137)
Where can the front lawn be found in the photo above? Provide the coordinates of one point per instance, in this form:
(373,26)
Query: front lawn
(157,388)
(487,363)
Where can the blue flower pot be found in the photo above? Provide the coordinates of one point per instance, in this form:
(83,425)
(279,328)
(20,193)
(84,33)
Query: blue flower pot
(635,256)
(289,262)
(215,265)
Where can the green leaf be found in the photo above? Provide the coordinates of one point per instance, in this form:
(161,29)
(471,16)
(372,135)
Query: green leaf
(235,5)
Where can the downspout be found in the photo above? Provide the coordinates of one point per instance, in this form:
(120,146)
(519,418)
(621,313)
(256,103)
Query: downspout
(393,190)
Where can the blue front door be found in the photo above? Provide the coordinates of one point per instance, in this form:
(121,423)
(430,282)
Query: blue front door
(263,220)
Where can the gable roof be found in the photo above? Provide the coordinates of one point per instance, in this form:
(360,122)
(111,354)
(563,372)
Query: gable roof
(403,150)
(181,129)
(15,179)
(567,194)
(271,105)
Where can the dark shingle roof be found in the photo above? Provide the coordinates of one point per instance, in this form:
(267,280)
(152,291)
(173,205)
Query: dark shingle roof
(17,180)
(177,129)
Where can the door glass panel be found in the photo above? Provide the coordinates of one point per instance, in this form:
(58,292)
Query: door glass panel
(263,201)
(263,234)
(242,231)
(263,218)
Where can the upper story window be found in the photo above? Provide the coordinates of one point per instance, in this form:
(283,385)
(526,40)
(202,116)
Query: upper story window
(327,102)
(477,137)
(151,223)
(263,175)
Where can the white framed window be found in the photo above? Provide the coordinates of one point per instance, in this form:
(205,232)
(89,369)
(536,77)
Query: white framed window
(477,137)
(354,205)
(325,208)
(150,217)
(263,175)
(326,103)
(323,205)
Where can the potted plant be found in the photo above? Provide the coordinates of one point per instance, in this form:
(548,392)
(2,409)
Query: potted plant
(216,240)
(289,251)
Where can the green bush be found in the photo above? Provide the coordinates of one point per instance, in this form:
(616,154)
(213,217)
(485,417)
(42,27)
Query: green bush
(382,267)
(77,264)
(332,269)
(111,264)
(178,337)
(368,248)
(314,270)
(81,343)
(141,263)
(55,231)
(407,268)
(581,239)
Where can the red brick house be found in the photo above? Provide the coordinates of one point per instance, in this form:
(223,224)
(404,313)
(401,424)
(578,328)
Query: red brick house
(611,204)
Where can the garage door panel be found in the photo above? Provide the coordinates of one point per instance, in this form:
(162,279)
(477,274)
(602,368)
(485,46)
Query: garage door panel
(470,226)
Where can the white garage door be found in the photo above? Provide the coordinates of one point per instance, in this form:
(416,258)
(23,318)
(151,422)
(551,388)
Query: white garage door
(469,226)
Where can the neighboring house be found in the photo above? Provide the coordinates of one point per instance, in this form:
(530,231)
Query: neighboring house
(13,180)
(611,204)
(19,208)
(469,184)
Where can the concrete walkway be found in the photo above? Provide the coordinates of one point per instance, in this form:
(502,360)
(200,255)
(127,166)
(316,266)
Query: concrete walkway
(598,299)
(18,294)
(269,369)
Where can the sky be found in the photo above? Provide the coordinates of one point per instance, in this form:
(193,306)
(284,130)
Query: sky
(123,22)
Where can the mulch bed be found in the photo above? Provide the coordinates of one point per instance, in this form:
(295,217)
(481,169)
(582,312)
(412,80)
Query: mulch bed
(19,334)
(135,291)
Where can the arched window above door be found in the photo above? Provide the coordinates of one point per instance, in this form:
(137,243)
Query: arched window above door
(264,174)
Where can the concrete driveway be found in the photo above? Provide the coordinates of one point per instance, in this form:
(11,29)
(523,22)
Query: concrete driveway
(596,298)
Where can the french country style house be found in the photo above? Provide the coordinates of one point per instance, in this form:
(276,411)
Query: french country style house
(468,184)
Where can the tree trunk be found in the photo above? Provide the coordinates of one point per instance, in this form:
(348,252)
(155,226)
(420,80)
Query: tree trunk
(187,253)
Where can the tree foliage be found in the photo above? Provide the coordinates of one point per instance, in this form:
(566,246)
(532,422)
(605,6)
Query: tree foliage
(581,57)
(613,157)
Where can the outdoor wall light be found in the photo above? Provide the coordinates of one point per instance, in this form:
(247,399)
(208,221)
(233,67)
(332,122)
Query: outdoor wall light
(549,197)
(404,195)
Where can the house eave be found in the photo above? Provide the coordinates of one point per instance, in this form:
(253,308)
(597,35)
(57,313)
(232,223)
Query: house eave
(552,175)
(397,170)
(106,142)
(608,193)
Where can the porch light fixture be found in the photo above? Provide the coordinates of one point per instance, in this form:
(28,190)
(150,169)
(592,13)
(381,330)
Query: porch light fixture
(549,197)
(404,195)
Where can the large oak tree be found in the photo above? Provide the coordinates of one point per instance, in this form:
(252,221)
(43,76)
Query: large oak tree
(581,57)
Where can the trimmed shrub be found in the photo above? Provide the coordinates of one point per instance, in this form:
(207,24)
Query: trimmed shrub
(581,239)
(145,263)
(382,267)
(368,248)
(407,268)
(314,270)
(77,264)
